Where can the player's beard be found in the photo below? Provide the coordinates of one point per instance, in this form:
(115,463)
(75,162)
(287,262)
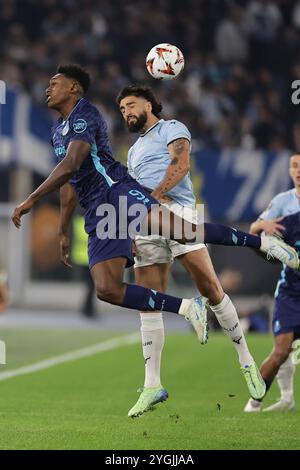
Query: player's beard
(138,125)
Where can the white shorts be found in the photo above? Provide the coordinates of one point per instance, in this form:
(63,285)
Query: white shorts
(155,249)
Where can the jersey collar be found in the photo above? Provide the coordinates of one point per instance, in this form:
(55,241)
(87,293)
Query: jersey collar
(296,194)
(152,127)
(66,120)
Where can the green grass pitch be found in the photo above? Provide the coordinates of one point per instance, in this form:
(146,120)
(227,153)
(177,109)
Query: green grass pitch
(84,404)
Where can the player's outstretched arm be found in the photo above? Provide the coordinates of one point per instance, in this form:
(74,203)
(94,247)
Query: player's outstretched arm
(270,227)
(179,151)
(68,202)
(77,151)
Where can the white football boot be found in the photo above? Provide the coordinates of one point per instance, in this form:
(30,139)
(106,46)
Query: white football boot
(253,406)
(197,315)
(282,405)
(276,248)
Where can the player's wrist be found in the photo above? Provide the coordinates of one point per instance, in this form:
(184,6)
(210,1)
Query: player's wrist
(32,198)
(258,227)
(264,225)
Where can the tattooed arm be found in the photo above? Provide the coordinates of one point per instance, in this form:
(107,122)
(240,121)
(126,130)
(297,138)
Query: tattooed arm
(179,151)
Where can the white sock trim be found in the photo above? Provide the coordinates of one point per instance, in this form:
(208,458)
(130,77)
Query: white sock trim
(185,305)
(151,321)
(224,302)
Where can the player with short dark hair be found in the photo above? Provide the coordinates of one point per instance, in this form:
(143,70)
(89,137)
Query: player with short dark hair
(86,167)
(141,91)
(76,72)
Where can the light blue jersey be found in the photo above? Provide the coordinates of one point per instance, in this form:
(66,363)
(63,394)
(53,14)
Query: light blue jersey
(283,204)
(287,205)
(149,158)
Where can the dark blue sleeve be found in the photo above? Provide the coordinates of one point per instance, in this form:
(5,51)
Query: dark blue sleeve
(84,126)
(52,130)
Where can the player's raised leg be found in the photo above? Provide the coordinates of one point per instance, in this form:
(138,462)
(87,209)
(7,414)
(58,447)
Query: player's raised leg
(200,267)
(158,222)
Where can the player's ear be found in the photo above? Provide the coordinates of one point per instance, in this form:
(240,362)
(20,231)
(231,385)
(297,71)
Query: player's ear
(148,107)
(75,88)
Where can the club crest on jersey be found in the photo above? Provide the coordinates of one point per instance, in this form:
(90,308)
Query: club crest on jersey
(79,126)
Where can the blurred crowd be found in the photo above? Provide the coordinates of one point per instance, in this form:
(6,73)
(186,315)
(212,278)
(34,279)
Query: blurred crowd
(241,58)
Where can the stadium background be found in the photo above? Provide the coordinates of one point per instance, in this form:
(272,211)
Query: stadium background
(235,97)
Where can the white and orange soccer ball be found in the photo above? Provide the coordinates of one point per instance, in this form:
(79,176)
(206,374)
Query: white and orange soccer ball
(165,61)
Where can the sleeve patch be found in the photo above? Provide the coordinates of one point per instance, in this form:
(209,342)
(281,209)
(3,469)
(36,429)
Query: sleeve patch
(79,126)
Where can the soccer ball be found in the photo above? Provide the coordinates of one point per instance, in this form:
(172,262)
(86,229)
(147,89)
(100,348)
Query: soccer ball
(165,61)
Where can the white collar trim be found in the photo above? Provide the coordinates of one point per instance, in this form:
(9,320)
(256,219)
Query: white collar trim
(150,128)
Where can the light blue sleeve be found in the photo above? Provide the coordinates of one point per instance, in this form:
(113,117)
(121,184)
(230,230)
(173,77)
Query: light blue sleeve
(274,209)
(176,130)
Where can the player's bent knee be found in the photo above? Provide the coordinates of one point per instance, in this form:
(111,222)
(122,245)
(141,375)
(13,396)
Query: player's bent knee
(107,293)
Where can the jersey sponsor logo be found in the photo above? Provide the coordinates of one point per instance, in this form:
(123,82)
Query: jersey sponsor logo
(79,126)
(59,151)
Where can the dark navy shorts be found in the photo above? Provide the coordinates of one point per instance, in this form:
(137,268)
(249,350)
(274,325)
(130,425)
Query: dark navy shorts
(286,316)
(104,249)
